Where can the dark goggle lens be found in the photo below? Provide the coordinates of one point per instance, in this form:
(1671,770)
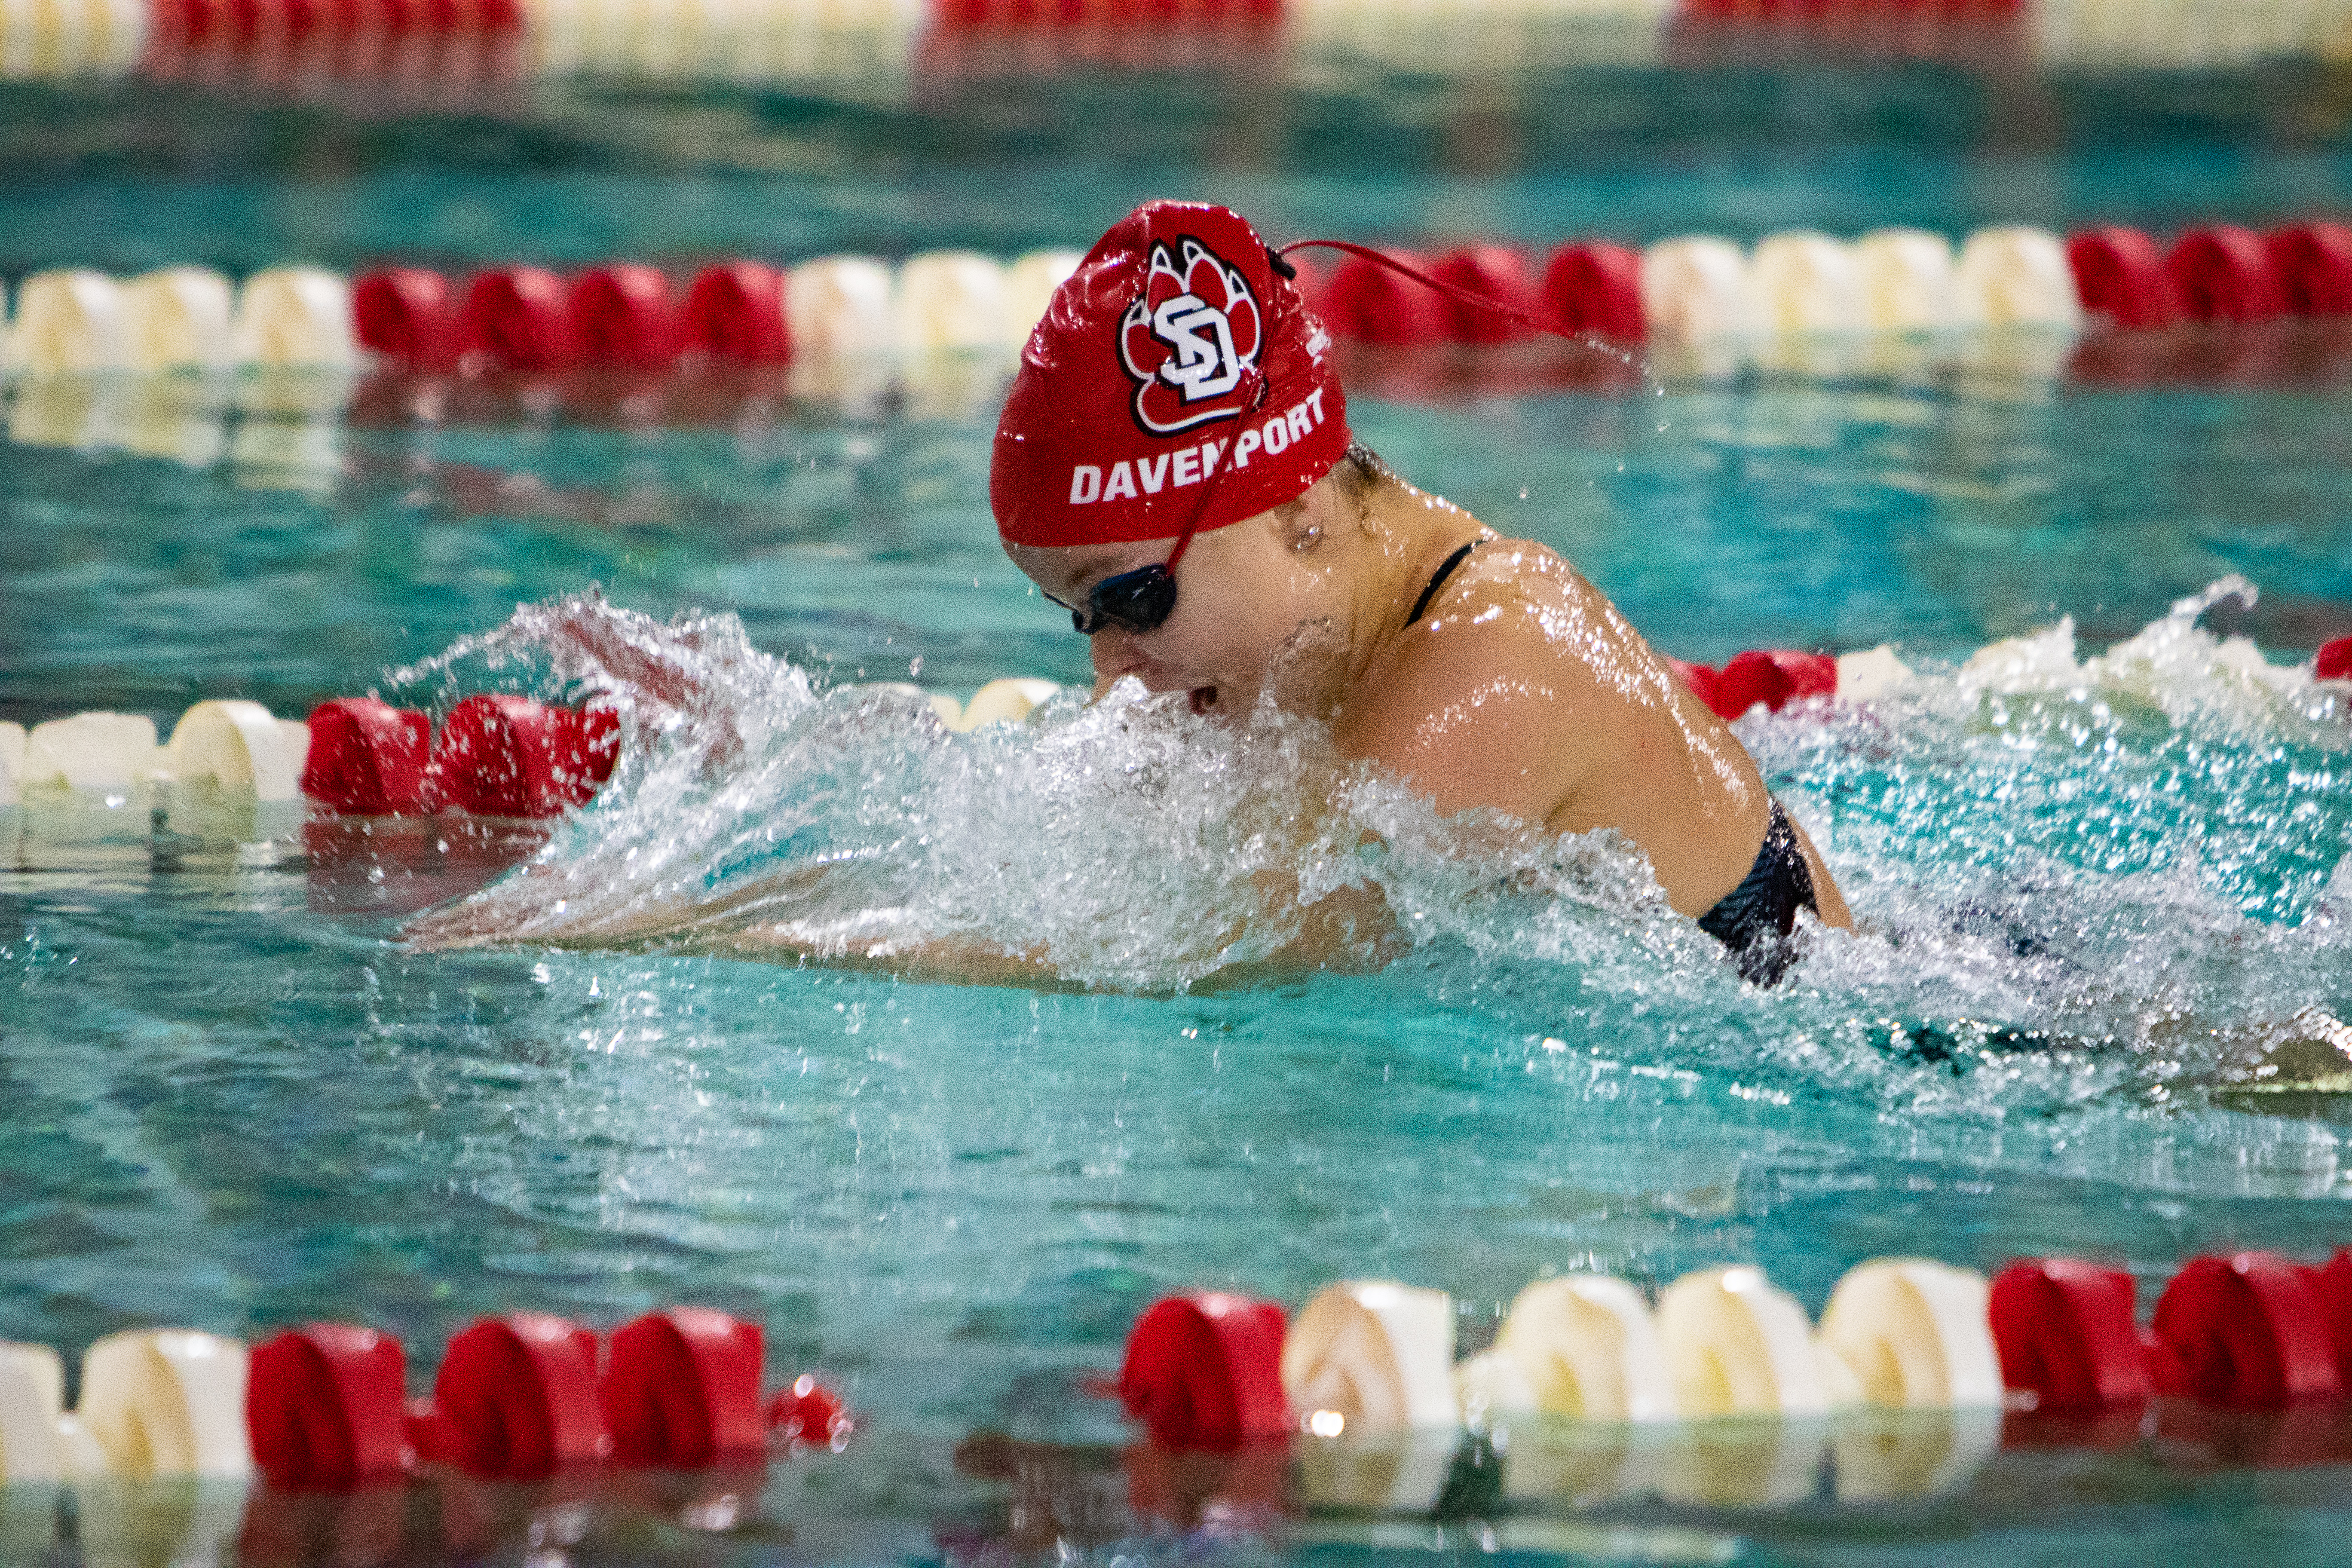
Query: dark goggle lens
(1139,601)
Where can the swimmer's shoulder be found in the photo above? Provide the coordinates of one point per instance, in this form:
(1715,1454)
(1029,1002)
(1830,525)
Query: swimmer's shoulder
(1513,598)
(1474,702)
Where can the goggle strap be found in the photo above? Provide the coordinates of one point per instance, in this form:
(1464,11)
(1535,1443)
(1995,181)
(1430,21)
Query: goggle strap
(1216,478)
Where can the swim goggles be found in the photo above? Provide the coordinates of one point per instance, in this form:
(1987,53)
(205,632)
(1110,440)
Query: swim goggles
(1137,601)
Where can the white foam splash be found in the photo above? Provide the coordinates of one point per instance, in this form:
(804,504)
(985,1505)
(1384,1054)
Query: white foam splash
(2076,879)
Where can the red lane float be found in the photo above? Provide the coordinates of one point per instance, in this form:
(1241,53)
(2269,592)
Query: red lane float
(1366,301)
(2314,268)
(408,314)
(367,758)
(515,1398)
(1204,1371)
(736,311)
(247,21)
(809,1413)
(2120,274)
(621,317)
(1774,676)
(2334,662)
(2065,1334)
(502,755)
(1596,288)
(323,1406)
(2250,1332)
(519,318)
(1498,272)
(2333,1284)
(681,1389)
(2225,274)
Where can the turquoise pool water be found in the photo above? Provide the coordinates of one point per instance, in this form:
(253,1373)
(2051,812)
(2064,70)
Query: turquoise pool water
(2092,898)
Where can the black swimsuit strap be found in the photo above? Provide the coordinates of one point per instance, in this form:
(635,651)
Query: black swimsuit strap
(1437,580)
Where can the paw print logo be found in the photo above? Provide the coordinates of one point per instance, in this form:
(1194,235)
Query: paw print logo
(1192,339)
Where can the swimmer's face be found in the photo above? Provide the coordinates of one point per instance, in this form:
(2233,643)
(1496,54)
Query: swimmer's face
(1242,591)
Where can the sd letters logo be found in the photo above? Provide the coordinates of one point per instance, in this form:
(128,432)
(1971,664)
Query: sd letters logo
(1190,341)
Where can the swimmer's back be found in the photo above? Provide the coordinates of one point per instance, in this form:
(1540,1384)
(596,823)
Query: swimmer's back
(1521,688)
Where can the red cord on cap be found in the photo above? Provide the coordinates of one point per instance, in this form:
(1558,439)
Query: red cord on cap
(501,755)
(2335,662)
(323,1406)
(681,1389)
(405,313)
(2120,274)
(1498,273)
(1374,304)
(367,758)
(621,317)
(517,317)
(518,1397)
(736,311)
(1204,1371)
(2249,1331)
(2065,1331)
(1597,288)
(2314,268)
(2225,274)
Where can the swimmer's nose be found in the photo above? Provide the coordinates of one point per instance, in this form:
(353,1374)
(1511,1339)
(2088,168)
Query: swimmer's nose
(1114,653)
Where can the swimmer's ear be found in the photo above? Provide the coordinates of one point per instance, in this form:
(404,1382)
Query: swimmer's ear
(1301,525)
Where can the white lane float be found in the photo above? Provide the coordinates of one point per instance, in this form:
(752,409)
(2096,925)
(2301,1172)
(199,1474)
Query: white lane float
(1029,284)
(838,306)
(181,418)
(178,318)
(32,1404)
(167,1402)
(2016,276)
(1371,1356)
(12,765)
(296,317)
(92,750)
(1870,673)
(1379,1472)
(1695,287)
(240,747)
(1914,1333)
(1881,1453)
(1583,1346)
(1737,1346)
(69,319)
(1807,283)
(72,413)
(1909,282)
(953,299)
(1010,699)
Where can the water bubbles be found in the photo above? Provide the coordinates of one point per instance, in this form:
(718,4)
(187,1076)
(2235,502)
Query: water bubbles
(2094,885)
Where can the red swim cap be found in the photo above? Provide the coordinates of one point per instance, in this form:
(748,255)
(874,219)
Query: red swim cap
(1176,384)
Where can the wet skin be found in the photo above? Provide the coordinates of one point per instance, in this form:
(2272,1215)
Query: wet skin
(1520,688)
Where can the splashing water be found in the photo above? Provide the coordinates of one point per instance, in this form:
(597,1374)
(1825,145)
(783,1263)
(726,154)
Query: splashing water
(2124,878)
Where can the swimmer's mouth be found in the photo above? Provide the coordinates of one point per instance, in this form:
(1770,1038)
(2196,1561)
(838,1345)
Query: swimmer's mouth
(1203,697)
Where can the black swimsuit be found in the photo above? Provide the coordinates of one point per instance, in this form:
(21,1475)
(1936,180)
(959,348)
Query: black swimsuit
(1755,919)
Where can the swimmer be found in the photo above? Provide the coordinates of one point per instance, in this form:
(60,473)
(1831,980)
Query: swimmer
(1174,467)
